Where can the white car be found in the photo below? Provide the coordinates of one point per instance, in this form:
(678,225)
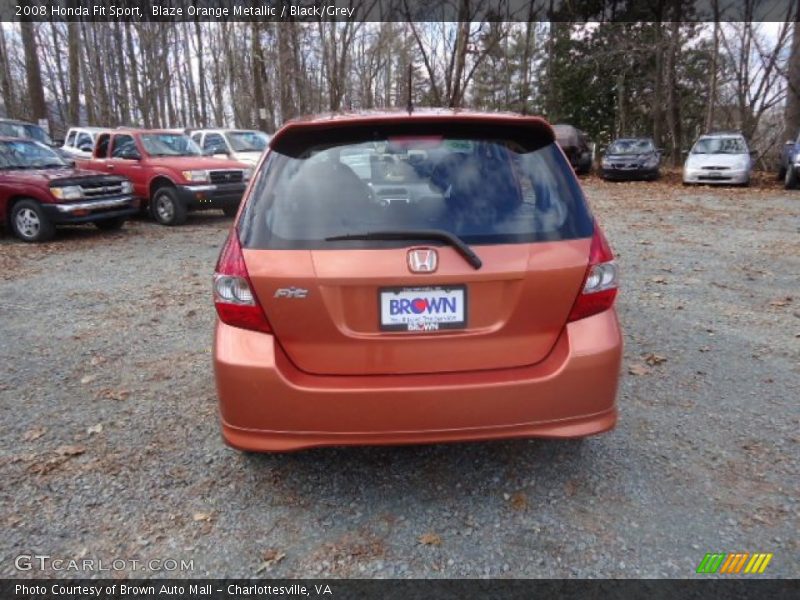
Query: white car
(79,142)
(721,158)
(243,145)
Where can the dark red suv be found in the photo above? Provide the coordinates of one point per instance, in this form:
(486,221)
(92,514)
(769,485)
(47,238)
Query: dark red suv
(39,190)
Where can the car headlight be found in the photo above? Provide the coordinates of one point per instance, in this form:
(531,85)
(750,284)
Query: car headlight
(605,162)
(247,174)
(195,176)
(68,192)
(127,187)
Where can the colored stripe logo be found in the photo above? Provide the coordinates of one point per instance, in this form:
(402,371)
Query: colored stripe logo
(734,563)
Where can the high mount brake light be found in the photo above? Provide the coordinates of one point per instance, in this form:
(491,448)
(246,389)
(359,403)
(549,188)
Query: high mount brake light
(234,299)
(601,281)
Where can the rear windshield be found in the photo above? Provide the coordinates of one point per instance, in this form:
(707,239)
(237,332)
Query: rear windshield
(484,191)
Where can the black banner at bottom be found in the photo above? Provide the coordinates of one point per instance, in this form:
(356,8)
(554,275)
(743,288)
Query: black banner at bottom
(392,589)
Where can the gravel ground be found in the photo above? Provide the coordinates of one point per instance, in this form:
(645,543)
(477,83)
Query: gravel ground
(110,445)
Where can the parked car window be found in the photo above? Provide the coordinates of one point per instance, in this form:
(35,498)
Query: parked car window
(124,147)
(196,138)
(247,141)
(84,139)
(102,145)
(70,138)
(28,154)
(169,144)
(720,146)
(631,147)
(485,191)
(214,144)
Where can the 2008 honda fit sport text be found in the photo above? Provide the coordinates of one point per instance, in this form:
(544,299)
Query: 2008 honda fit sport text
(396,278)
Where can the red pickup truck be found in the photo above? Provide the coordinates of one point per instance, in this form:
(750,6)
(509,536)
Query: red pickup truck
(169,172)
(39,190)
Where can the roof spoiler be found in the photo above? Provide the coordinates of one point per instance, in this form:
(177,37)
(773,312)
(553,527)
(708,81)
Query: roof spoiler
(296,137)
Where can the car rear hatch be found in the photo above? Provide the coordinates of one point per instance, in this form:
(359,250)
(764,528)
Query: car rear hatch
(342,296)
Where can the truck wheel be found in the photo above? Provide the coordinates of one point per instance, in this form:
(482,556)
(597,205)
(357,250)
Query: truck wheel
(790,181)
(230,211)
(30,223)
(110,224)
(167,209)
(781,173)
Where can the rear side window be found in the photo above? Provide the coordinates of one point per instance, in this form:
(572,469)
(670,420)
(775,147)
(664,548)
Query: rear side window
(70,138)
(485,191)
(124,147)
(101,151)
(84,140)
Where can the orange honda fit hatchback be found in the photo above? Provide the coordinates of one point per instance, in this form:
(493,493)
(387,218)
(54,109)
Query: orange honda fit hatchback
(410,278)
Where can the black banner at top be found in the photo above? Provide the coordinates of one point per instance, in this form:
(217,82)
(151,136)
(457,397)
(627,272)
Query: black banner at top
(398,10)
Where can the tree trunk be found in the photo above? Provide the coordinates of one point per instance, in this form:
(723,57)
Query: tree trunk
(792,113)
(656,111)
(712,83)
(259,77)
(33,72)
(673,105)
(6,85)
(74,61)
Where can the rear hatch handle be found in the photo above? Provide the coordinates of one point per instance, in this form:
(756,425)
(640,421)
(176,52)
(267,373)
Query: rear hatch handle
(416,234)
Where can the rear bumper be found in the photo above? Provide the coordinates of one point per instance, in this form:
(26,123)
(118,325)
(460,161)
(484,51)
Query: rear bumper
(267,404)
(210,195)
(91,210)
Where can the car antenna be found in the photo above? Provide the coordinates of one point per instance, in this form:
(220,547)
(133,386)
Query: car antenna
(410,105)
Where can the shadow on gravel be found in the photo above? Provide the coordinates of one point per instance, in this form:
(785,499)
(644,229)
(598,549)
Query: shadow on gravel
(211,218)
(414,472)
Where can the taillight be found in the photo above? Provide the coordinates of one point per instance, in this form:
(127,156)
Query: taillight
(601,281)
(234,299)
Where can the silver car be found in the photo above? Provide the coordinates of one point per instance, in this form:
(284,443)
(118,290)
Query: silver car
(719,158)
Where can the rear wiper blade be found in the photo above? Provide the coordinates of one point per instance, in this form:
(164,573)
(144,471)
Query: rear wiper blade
(416,234)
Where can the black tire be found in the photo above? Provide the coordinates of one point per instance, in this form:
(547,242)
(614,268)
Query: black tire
(781,173)
(112,224)
(30,223)
(230,211)
(166,207)
(790,180)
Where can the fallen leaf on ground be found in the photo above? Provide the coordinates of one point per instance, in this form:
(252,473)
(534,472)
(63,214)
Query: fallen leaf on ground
(202,516)
(570,487)
(638,370)
(109,394)
(658,280)
(95,429)
(654,359)
(71,450)
(781,302)
(270,557)
(430,539)
(33,434)
(88,379)
(519,501)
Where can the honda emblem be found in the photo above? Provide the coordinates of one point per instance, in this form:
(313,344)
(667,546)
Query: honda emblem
(422,260)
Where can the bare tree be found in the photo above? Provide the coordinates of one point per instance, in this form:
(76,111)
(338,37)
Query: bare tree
(33,73)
